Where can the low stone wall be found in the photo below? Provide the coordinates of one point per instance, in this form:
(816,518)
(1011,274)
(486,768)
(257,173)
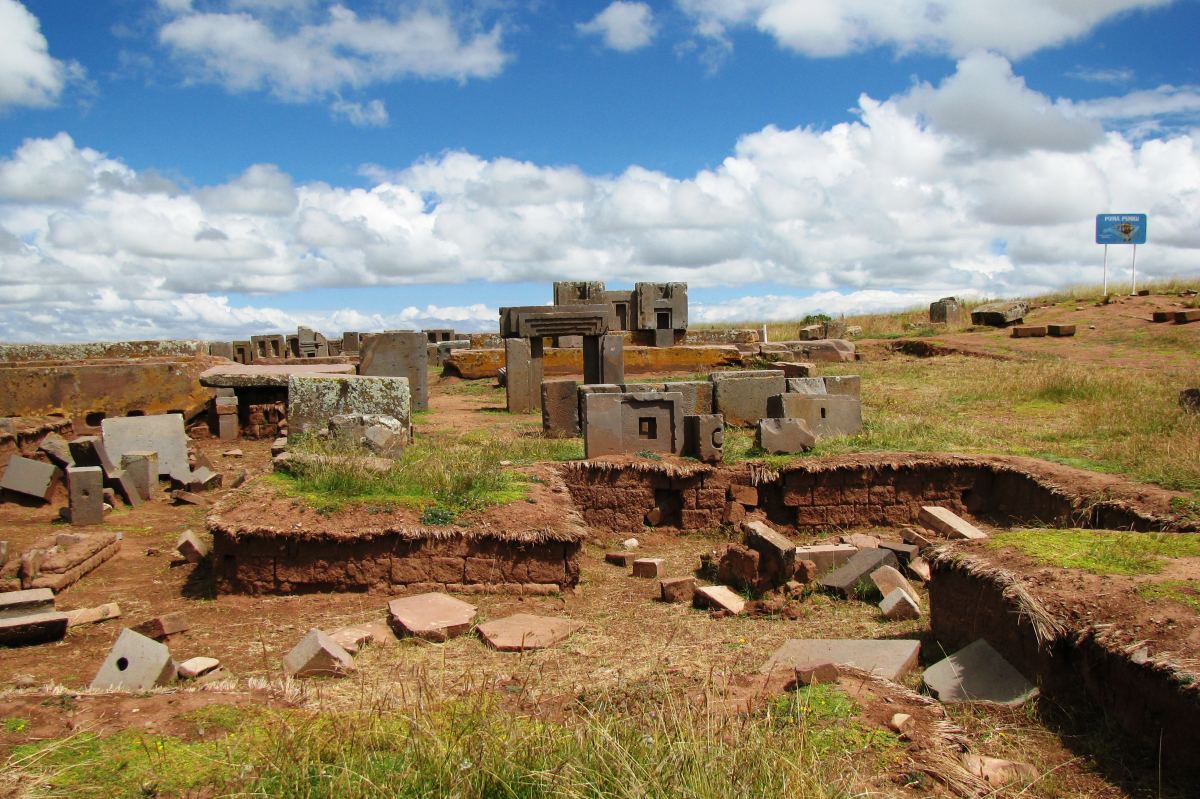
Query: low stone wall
(250,564)
(885,490)
(483,364)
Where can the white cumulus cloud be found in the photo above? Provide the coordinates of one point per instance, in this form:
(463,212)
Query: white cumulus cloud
(370,114)
(623,25)
(912,200)
(826,28)
(29,75)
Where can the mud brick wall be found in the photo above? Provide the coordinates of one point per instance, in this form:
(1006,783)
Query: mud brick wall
(276,565)
(1148,703)
(621,499)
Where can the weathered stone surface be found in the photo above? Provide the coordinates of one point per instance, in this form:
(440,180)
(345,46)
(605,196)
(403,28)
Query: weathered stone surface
(745,494)
(109,610)
(524,631)
(26,603)
(897,605)
(948,523)
(163,434)
(777,554)
(33,628)
(1029,331)
(160,627)
(827,557)
(677,589)
(267,376)
(796,369)
(697,396)
(141,468)
(560,408)
(850,580)
(1184,317)
(622,559)
(30,478)
(741,397)
(999,314)
(718,597)
(817,673)
(888,579)
(192,547)
(797,385)
(203,479)
(351,639)
(784,436)
(998,772)
(649,567)
(826,415)
(314,399)
(947,310)
(432,616)
(628,423)
(478,364)
(398,353)
(977,673)
(523,372)
(704,437)
(317,656)
(57,450)
(890,659)
(195,667)
(1061,331)
(904,552)
(90,451)
(832,350)
(85,491)
(843,385)
(135,663)
(919,568)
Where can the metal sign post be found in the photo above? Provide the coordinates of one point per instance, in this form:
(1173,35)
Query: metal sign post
(1120,229)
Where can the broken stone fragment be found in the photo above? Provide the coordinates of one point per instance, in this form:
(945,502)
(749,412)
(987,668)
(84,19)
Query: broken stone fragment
(677,589)
(649,567)
(195,667)
(887,579)
(898,605)
(996,771)
(948,523)
(160,627)
(110,610)
(816,674)
(718,597)
(901,723)
(318,656)
(191,547)
(351,638)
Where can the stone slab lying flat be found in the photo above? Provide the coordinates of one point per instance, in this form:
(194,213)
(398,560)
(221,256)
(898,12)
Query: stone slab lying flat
(234,375)
(948,523)
(162,433)
(432,616)
(525,631)
(135,663)
(890,659)
(30,478)
(718,597)
(24,603)
(827,556)
(848,579)
(978,673)
(34,628)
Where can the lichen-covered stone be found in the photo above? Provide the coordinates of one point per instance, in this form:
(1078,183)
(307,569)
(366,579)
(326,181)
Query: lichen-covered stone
(314,399)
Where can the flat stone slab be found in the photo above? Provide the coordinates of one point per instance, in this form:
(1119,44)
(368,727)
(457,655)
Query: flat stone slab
(235,375)
(35,628)
(162,434)
(135,663)
(848,579)
(718,597)
(29,477)
(948,523)
(890,659)
(525,631)
(432,616)
(978,673)
(25,603)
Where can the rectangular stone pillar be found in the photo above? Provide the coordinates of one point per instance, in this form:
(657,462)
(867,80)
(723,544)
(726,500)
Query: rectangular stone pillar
(518,375)
(399,353)
(560,408)
(86,487)
(593,366)
(612,359)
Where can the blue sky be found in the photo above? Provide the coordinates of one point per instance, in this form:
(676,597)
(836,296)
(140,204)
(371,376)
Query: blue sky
(214,168)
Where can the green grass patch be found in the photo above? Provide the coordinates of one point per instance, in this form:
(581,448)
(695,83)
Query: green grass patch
(807,744)
(1100,551)
(14,724)
(1185,592)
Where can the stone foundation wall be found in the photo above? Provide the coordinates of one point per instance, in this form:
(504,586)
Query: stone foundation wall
(274,565)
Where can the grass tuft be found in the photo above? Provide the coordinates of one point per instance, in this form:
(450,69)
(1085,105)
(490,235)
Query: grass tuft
(1185,592)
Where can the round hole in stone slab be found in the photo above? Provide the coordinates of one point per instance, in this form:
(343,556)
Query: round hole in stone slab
(122,664)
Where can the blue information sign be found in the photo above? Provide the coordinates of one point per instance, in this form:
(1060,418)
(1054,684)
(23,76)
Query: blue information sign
(1120,228)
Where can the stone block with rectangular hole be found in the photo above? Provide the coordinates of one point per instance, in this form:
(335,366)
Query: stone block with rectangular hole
(826,415)
(617,424)
(313,399)
(85,490)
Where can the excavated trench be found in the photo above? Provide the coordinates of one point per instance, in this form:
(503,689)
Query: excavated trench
(1156,702)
